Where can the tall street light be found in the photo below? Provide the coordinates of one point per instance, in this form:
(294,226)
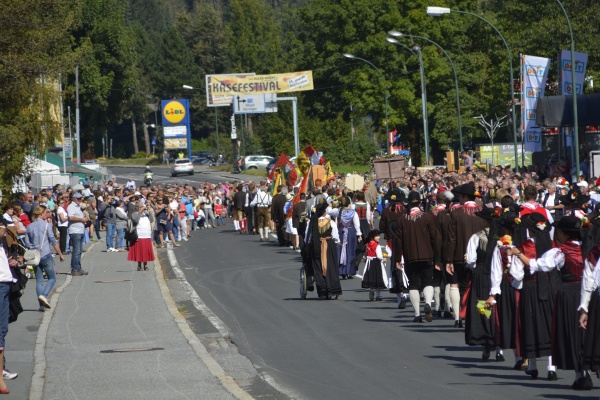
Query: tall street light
(385,92)
(414,51)
(400,34)
(188,87)
(438,12)
(574,90)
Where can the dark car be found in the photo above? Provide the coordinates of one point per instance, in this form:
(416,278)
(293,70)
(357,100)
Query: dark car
(202,154)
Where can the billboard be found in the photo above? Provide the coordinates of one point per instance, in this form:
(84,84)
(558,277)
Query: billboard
(215,99)
(176,143)
(176,124)
(502,153)
(234,85)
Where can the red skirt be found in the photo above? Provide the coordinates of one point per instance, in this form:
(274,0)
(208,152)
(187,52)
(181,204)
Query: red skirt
(141,251)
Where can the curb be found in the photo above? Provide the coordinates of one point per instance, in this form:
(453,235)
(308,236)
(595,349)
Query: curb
(214,368)
(36,392)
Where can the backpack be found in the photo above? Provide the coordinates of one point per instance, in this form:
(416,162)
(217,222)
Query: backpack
(131,232)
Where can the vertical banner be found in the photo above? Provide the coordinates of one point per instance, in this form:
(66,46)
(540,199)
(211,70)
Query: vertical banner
(535,72)
(177,132)
(566,84)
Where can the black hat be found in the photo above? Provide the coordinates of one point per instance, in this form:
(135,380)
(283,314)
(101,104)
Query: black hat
(372,233)
(321,208)
(413,197)
(574,197)
(489,213)
(568,224)
(466,189)
(510,217)
(396,196)
(536,222)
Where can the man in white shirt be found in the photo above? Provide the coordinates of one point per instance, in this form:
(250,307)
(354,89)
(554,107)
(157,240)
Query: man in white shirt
(130,184)
(76,229)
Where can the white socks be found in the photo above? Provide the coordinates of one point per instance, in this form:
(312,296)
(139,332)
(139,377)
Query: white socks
(415,300)
(550,366)
(448,303)
(428,292)
(236,224)
(436,297)
(455,301)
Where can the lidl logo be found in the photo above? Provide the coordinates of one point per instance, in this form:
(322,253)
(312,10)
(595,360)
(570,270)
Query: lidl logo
(535,70)
(533,93)
(174,112)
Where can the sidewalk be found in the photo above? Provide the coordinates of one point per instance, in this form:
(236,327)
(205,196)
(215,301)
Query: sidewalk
(115,333)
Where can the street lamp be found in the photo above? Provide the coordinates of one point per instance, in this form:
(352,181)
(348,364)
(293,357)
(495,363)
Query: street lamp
(188,87)
(414,51)
(400,34)
(385,92)
(438,12)
(574,90)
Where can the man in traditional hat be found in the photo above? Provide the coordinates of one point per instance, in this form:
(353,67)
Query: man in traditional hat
(463,224)
(442,222)
(414,242)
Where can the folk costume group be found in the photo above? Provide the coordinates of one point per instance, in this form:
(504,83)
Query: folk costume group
(514,278)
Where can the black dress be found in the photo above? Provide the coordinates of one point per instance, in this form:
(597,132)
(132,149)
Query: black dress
(326,274)
(479,330)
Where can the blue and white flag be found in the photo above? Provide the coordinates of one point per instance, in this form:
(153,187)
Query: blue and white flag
(535,72)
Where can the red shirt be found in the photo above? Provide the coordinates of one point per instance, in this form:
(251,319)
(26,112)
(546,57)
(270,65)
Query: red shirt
(24,219)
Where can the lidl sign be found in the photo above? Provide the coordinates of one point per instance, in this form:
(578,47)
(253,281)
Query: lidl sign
(175,112)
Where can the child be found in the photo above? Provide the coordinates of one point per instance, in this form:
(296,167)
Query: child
(375,276)
(218,212)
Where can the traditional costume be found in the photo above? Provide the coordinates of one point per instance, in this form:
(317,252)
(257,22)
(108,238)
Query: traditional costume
(387,225)
(375,276)
(349,228)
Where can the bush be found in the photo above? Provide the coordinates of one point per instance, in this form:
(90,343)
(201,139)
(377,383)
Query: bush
(139,154)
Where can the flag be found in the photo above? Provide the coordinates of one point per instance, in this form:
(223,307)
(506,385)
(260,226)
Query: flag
(313,155)
(285,167)
(301,189)
(278,180)
(329,172)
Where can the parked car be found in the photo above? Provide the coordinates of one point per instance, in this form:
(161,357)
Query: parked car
(203,154)
(256,161)
(182,166)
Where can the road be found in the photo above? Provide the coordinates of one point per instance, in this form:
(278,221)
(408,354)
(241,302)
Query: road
(348,348)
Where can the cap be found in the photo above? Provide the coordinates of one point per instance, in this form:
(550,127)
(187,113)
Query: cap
(137,194)
(582,184)
(77,196)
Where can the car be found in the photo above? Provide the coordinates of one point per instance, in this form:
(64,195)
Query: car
(182,166)
(256,161)
(201,160)
(202,154)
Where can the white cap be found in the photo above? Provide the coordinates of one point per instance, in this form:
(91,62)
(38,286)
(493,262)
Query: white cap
(137,194)
(582,184)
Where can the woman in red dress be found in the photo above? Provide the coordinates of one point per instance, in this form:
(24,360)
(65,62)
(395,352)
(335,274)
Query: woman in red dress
(141,249)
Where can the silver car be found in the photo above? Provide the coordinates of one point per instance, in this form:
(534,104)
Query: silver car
(182,166)
(256,162)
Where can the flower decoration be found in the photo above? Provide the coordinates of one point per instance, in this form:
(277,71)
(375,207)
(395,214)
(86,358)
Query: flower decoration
(507,269)
(562,181)
(517,221)
(505,240)
(541,226)
(393,197)
(496,212)
(574,196)
(506,210)
(483,309)
(585,223)
(477,194)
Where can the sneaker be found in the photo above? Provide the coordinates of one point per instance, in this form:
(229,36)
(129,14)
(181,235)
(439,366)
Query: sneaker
(176,245)
(78,272)
(6,374)
(121,250)
(44,301)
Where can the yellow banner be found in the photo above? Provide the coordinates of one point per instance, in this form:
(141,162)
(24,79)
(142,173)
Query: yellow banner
(259,84)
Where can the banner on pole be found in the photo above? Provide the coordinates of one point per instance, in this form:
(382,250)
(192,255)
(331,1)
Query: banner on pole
(534,74)
(566,78)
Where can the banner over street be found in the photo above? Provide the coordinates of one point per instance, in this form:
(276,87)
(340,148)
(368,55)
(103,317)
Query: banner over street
(231,85)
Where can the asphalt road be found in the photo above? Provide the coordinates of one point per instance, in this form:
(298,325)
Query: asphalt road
(348,348)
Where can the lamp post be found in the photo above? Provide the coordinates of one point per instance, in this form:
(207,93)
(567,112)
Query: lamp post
(400,34)
(188,87)
(414,51)
(574,90)
(438,12)
(385,92)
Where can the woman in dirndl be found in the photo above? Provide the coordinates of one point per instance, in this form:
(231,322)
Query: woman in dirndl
(537,293)
(567,337)
(141,250)
(375,277)
(589,309)
(350,235)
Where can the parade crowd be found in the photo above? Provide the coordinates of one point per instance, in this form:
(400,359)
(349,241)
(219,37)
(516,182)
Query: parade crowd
(511,258)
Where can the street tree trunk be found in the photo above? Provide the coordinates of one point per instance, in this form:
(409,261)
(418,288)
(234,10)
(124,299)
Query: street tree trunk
(136,148)
(146,138)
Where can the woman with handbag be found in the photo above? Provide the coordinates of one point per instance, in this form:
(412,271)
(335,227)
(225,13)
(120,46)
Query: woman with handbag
(140,250)
(40,237)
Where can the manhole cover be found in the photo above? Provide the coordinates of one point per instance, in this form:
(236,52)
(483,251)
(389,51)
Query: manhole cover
(131,350)
(122,280)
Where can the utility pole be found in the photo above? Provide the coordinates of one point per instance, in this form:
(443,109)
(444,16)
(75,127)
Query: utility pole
(77,132)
